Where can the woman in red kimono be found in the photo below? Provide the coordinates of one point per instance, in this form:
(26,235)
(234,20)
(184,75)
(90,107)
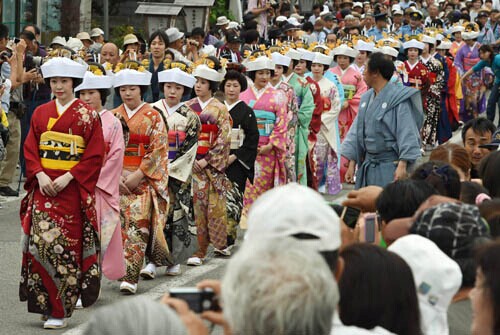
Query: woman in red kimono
(451,95)
(64,150)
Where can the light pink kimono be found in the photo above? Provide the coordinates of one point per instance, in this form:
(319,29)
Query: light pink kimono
(108,198)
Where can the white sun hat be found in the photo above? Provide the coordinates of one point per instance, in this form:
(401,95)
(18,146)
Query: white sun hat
(320,58)
(203,71)
(279,59)
(92,81)
(260,63)
(62,67)
(344,50)
(386,50)
(364,46)
(413,44)
(132,77)
(293,54)
(177,76)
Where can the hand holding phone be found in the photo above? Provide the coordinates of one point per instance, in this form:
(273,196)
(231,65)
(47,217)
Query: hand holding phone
(368,225)
(198,300)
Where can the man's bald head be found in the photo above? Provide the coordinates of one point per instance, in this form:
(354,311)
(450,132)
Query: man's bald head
(110,53)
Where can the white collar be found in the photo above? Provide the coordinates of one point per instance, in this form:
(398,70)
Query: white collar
(171,110)
(287,78)
(229,107)
(130,112)
(258,93)
(104,110)
(203,104)
(412,66)
(61,109)
(425,60)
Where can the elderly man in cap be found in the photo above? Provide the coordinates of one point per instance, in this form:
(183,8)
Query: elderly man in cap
(85,38)
(415,26)
(97,35)
(380,27)
(175,42)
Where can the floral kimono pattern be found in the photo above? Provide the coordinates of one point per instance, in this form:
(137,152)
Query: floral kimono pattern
(270,108)
(183,127)
(60,234)
(432,101)
(210,185)
(144,210)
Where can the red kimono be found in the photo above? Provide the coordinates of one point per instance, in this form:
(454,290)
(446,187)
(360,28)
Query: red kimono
(60,235)
(314,127)
(451,98)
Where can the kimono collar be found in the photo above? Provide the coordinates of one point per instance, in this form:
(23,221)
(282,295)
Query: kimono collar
(425,60)
(358,68)
(204,104)
(104,110)
(258,93)
(342,72)
(286,79)
(412,66)
(229,107)
(130,112)
(61,109)
(171,110)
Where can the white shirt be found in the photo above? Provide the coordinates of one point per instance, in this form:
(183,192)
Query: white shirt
(204,104)
(61,109)
(130,112)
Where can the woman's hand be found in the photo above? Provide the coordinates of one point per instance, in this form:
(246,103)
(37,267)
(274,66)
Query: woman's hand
(264,149)
(199,165)
(133,180)
(46,185)
(62,181)
(232,159)
(123,188)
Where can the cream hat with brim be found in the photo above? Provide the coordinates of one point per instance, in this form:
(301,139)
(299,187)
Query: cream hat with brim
(130,39)
(364,46)
(133,78)
(62,67)
(58,40)
(413,44)
(279,59)
(94,82)
(203,71)
(470,35)
(293,54)
(320,58)
(176,76)
(389,51)
(261,63)
(344,50)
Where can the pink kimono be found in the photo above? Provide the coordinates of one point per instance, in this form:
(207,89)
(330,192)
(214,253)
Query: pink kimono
(354,87)
(270,108)
(108,198)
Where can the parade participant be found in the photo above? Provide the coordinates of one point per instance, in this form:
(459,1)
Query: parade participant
(432,101)
(415,73)
(365,48)
(384,138)
(380,27)
(183,128)
(488,59)
(209,198)
(328,140)
(452,84)
(270,107)
(414,27)
(244,143)
(143,186)
(389,49)
(304,66)
(306,108)
(474,102)
(354,86)
(456,31)
(281,65)
(93,91)
(64,151)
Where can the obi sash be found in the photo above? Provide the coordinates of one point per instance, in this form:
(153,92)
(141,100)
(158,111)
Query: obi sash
(135,150)
(349,91)
(327,104)
(175,140)
(237,138)
(207,138)
(60,151)
(415,83)
(265,122)
(470,62)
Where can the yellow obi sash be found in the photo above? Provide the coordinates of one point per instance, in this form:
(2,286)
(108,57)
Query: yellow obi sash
(60,151)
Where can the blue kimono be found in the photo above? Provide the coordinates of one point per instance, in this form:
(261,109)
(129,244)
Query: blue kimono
(385,131)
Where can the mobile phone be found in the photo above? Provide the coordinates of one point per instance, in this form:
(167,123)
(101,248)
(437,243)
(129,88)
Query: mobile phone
(198,300)
(370,228)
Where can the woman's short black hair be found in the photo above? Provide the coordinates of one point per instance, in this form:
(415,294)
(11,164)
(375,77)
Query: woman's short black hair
(250,36)
(377,289)
(469,191)
(378,62)
(308,64)
(187,90)
(441,176)
(159,33)
(351,59)
(406,51)
(488,48)
(235,75)
(251,74)
(76,81)
(144,89)
(402,198)
(488,170)
(103,92)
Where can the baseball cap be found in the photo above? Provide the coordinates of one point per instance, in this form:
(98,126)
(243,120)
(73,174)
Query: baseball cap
(437,279)
(295,209)
(233,38)
(495,141)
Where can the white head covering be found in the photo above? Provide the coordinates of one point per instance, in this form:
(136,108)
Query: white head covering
(386,50)
(470,35)
(203,71)
(261,63)
(428,39)
(293,209)
(413,44)
(293,54)
(344,50)
(62,67)
(306,54)
(95,82)
(444,45)
(279,59)
(132,77)
(364,46)
(320,58)
(177,76)
(437,279)
(456,29)
(74,44)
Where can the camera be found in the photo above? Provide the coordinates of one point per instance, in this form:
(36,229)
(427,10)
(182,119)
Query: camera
(198,300)
(5,55)
(193,42)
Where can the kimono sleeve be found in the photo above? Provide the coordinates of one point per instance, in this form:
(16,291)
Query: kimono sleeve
(109,179)
(218,154)
(87,171)
(349,148)
(306,108)
(181,167)
(31,151)
(278,136)
(154,162)
(248,151)
(360,89)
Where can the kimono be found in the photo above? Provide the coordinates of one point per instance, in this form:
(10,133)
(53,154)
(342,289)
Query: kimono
(416,76)
(328,140)
(455,46)
(306,109)
(451,94)
(314,127)
(244,142)
(210,185)
(432,101)
(444,127)
(354,86)
(474,93)
(386,130)
(60,234)
(183,128)
(108,198)
(270,110)
(293,110)
(144,211)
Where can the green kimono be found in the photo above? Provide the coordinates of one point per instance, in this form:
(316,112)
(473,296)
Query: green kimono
(306,108)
